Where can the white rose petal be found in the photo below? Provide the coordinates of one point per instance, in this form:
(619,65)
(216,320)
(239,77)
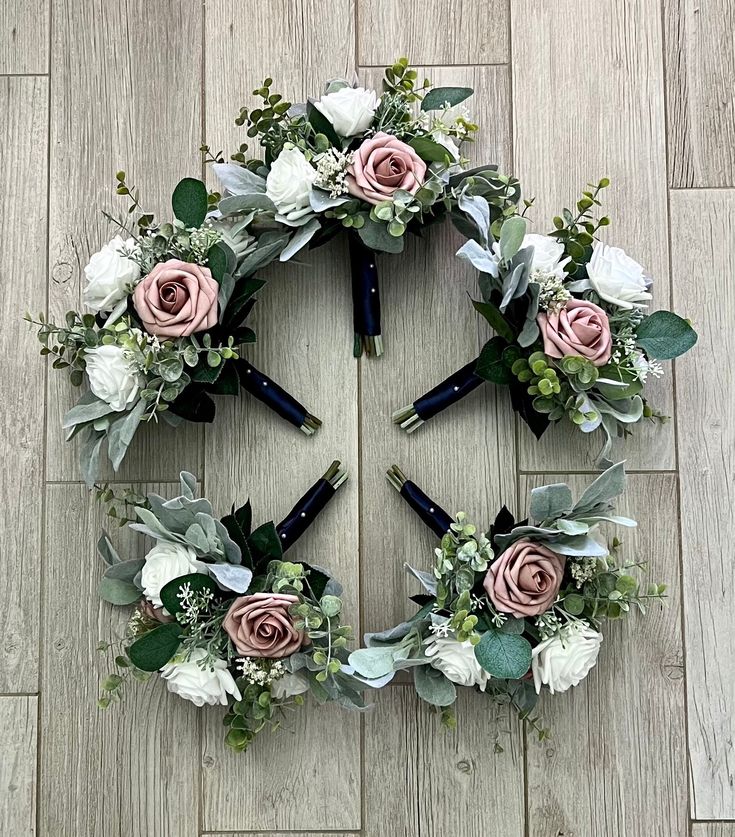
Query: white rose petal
(548,255)
(289,184)
(209,685)
(566,658)
(457,661)
(165,562)
(350,109)
(110,275)
(617,278)
(112,377)
(288,686)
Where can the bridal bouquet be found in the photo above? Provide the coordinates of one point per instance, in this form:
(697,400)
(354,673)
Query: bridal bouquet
(375,165)
(221,615)
(514,611)
(573,339)
(168,306)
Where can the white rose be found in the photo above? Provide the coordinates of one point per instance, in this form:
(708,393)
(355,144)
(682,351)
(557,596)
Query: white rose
(548,255)
(617,278)
(112,377)
(350,109)
(457,661)
(165,562)
(209,685)
(289,183)
(288,686)
(566,658)
(110,274)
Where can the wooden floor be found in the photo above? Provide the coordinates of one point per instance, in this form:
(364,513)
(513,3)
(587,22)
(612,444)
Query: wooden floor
(636,90)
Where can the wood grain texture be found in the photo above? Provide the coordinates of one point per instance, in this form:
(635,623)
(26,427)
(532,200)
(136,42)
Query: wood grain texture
(713,829)
(124,96)
(305,332)
(134,766)
(463,458)
(705,221)
(618,739)
(23,171)
(424,781)
(24,37)
(437,32)
(573,127)
(18,737)
(700,67)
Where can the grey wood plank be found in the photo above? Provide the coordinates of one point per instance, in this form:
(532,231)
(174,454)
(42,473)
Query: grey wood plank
(23,182)
(124,96)
(133,767)
(713,829)
(703,223)
(700,79)
(616,763)
(437,32)
(18,735)
(24,37)
(423,781)
(304,324)
(465,457)
(607,119)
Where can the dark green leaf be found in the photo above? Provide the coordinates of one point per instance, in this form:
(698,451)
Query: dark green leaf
(430,151)
(506,656)
(490,365)
(322,125)
(492,314)
(170,592)
(436,99)
(664,335)
(265,543)
(189,202)
(375,235)
(228,382)
(154,649)
(220,258)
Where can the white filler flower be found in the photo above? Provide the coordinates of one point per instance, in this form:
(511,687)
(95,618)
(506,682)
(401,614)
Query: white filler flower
(209,685)
(110,275)
(617,278)
(457,661)
(350,109)
(566,658)
(112,376)
(289,184)
(165,562)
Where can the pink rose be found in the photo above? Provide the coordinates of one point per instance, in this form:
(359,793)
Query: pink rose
(155,614)
(524,580)
(176,299)
(579,328)
(381,165)
(260,625)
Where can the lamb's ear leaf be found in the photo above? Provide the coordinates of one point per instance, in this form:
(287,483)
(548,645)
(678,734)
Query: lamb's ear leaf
(117,591)
(433,686)
(189,202)
(156,648)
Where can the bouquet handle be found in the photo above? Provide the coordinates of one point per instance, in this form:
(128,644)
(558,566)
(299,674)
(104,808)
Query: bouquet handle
(307,509)
(448,392)
(365,298)
(430,512)
(265,389)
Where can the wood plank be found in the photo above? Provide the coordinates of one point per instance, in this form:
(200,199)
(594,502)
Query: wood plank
(18,734)
(713,829)
(23,172)
(136,764)
(124,96)
(703,223)
(700,78)
(465,460)
(607,119)
(431,330)
(24,37)
(441,32)
(303,320)
(619,738)
(424,781)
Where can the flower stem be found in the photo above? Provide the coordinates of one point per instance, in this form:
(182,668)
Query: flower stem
(432,514)
(365,299)
(306,510)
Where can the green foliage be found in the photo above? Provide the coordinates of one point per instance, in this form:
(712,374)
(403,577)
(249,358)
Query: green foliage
(156,648)
(440,97)
(189,202)
(577,231)
(492,364)
(503,655)
(664,335)
(171,593)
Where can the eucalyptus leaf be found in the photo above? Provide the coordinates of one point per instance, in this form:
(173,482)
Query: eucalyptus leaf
(664,335)
(189,202)
(502,655)
(373,662)
(376,236)
(511,237)
(156,648)
(439,97)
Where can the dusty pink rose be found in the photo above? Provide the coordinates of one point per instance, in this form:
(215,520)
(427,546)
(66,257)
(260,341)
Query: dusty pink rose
(260,625)
(157,614)
(381,165)
(176,299)
(524,580)
(579,328)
